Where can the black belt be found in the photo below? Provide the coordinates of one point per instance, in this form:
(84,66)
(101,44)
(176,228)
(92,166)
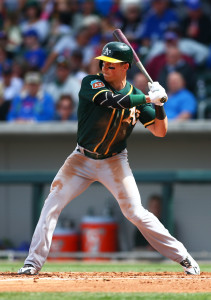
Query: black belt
(95,155)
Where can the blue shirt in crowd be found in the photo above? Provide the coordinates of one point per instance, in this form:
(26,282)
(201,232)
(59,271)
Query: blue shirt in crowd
(182,101)
(32,108)
(154,26)
(35,58)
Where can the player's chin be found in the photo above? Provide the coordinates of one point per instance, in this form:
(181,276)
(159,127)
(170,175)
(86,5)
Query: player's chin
(106,75)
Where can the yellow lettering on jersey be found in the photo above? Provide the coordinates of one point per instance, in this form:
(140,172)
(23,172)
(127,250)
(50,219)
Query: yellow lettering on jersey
(134,115)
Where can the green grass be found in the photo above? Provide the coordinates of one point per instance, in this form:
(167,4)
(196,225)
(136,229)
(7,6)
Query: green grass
(104,296)
(71,266)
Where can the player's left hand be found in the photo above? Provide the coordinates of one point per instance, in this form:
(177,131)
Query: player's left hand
(155,97)
(156,93)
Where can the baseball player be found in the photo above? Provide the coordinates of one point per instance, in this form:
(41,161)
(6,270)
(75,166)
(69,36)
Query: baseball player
(109,108)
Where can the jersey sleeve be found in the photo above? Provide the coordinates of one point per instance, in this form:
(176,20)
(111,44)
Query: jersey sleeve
(92,86)
(147,114)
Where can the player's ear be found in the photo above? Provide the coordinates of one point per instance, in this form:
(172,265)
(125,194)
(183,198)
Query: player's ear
(126,66)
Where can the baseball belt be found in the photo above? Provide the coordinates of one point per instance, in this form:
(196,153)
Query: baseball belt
(94,155)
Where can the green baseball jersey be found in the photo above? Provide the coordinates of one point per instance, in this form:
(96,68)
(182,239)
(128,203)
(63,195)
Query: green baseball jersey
(104,130)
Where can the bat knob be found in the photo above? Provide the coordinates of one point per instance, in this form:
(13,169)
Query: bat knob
(164,99)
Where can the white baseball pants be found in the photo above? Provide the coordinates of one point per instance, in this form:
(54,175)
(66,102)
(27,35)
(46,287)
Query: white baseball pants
(74,177)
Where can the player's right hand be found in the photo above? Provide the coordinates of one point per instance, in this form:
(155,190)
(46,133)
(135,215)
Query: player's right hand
(155,86)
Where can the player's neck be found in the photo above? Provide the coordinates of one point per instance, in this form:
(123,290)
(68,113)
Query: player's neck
(118,85)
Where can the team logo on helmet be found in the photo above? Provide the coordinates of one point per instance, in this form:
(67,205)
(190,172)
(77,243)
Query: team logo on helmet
(106,51)
(97,84)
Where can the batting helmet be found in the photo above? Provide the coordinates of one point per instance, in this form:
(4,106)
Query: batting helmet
(116,52)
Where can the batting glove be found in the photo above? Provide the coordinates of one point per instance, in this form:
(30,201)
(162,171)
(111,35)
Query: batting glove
(155,86)
(156,93)
(155,97)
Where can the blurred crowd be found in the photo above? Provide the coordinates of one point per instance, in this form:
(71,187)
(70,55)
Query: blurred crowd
(48,46)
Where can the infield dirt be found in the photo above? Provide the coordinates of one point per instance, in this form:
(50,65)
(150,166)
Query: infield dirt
(106,282)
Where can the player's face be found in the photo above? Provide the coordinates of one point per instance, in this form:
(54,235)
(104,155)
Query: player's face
(113,71)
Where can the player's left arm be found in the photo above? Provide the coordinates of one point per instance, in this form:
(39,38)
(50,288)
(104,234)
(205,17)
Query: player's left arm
(160,125)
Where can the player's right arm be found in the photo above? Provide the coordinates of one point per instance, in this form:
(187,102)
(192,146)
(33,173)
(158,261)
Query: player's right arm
(94,89)
(108,99)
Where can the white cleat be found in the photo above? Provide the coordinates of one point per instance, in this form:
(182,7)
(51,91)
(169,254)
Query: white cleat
(190,266)
(28,270)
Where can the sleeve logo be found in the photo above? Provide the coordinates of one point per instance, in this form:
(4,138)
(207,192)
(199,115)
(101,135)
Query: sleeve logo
(97,84)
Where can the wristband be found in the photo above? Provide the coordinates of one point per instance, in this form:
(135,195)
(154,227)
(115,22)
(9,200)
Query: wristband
(160,113)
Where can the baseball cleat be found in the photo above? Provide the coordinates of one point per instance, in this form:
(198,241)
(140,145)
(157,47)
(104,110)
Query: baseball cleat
(28,270)
(190,266)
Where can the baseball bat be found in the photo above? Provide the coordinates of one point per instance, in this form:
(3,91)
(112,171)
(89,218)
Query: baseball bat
(119,35)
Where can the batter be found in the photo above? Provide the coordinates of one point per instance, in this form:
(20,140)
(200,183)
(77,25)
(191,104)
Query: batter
(109,108)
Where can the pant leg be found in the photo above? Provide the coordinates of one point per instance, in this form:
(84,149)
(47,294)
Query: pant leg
(71,180)
(118,178)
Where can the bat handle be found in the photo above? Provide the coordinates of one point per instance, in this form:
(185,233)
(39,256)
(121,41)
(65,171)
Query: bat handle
(163,100)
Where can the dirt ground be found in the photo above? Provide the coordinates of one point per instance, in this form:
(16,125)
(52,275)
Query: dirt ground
(106,282)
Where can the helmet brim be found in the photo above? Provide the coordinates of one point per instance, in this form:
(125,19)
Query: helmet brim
(109,59)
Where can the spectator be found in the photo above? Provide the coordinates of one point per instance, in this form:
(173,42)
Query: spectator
(13,37)
(76,15)
(208,62)
(4,59)
(12,84)
(155,207)
(33,54)
(61,20)
(104,7)
(188,47)
(132,24)
(3,40)
(176,62)
(85,8)
(65,109)
(94,30)
(76,65)
(67,44)
(196,24)
(115,18)
(9,87)
(65,82)
(94,67)
(32,11)
(158,19)
(181,104)
(33,104)
(157,63)
(19,68)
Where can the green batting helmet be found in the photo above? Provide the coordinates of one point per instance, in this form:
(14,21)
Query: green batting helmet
(116,52)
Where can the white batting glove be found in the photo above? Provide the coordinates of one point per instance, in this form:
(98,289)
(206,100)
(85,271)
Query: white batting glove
(155,86)
(156,96)
(156,93)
